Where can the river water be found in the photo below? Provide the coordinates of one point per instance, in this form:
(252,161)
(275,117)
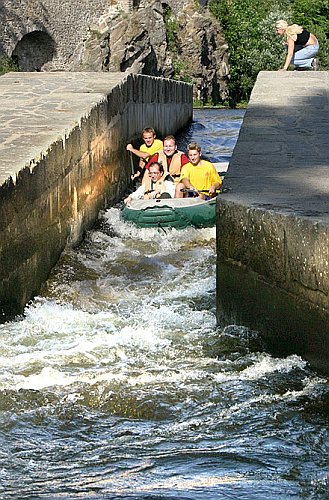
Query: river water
(117,383)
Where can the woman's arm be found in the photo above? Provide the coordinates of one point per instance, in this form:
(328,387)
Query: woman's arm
(290,53)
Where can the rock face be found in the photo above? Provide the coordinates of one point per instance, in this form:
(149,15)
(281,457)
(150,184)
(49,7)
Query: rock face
(174,39)
(177,39)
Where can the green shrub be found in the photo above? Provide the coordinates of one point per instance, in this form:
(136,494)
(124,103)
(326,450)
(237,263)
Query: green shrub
(171,29)
(182,70)
(7,65)
(314,16)
(253,45)
(181,67)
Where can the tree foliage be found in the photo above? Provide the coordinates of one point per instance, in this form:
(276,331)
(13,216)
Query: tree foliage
(253,45)
(314,16)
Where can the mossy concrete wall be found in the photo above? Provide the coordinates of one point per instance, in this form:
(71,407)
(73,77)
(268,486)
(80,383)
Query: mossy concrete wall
(63,158)
(273,219)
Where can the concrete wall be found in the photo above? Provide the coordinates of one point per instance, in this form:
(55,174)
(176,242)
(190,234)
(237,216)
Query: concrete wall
(56,194)
(273,276)
(273,220)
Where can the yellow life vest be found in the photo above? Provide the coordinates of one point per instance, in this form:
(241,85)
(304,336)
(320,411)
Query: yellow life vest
(175,164)
(150,186)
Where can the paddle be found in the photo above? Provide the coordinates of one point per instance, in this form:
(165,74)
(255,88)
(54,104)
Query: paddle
(132,164)
(185,190)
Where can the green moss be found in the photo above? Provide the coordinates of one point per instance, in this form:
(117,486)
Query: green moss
(95,34)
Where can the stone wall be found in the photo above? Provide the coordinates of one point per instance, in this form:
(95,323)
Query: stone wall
(57,195)
(65,22)
(118,35)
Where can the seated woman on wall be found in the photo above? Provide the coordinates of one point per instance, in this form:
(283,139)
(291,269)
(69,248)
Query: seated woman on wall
(302,46)
(156,185)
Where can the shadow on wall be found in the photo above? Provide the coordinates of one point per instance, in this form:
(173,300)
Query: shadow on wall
(33,51)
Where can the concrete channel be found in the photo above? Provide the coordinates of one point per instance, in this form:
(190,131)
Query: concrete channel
(63,159)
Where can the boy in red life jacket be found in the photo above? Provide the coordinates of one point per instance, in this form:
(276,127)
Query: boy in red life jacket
(149,148)
(171,159)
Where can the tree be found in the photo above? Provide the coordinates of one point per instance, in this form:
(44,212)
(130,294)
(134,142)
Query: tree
(314,16)
(253,45)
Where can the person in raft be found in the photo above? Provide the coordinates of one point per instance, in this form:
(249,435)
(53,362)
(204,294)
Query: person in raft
(302,46)
(199,176)
(157,184)
(171,159)
(149,148)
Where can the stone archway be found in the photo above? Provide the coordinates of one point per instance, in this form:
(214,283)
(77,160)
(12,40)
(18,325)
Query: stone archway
(33,51)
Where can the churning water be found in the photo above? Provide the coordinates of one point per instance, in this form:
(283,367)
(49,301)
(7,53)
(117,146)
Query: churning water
(118,384)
